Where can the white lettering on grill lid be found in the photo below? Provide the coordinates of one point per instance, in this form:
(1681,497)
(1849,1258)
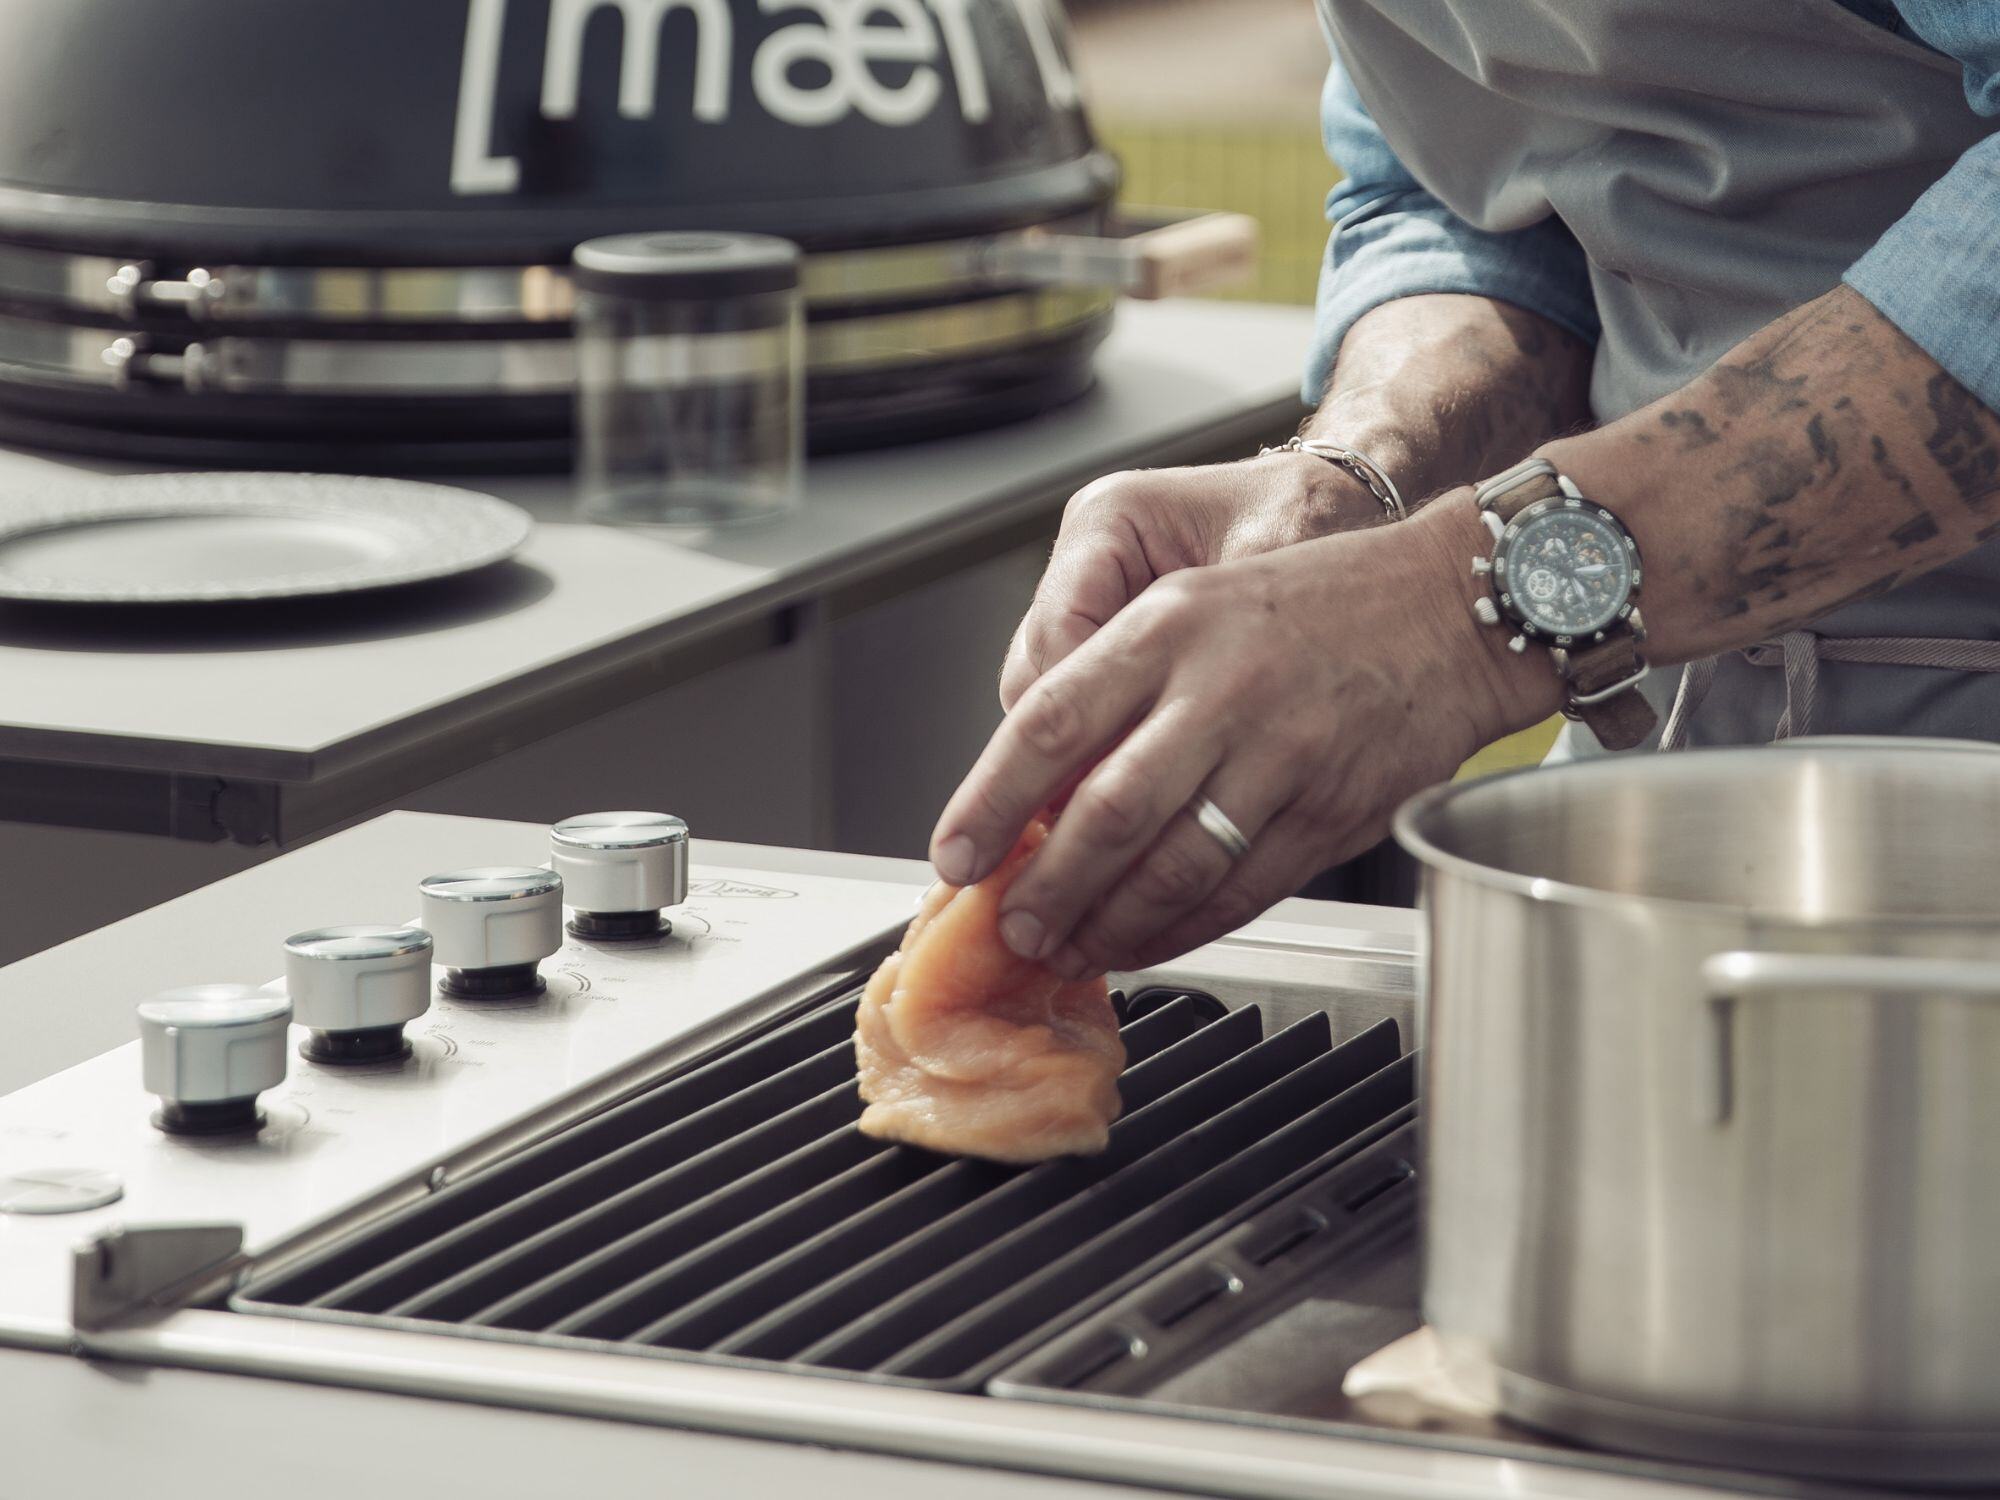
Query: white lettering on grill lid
(845,41)
(639,67)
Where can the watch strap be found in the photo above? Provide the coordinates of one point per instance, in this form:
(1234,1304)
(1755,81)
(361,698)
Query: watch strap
(1539,484)
(1623,719)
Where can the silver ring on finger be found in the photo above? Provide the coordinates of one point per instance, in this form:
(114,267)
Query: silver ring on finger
(1220,827)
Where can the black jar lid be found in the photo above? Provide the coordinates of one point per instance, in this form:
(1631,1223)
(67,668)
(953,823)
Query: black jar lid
(668,266)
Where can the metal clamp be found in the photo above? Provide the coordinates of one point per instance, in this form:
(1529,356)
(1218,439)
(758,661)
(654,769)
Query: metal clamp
(133,289)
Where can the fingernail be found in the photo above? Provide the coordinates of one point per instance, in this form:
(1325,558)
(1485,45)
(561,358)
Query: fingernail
(953,859)
(1023,932)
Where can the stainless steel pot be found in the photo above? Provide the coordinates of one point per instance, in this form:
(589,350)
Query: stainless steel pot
(1712,1100)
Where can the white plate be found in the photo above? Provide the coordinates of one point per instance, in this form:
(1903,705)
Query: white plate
(188,538)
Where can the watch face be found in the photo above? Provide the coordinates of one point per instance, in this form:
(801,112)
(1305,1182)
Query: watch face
(1566,569)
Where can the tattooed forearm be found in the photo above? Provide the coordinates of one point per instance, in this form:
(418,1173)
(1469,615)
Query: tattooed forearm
(1443,390)
(1825,460)
(1689,427)
(1961,442)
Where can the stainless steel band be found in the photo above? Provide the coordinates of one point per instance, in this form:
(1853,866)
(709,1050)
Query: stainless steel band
(1363,468)
(132,288)
(42,352)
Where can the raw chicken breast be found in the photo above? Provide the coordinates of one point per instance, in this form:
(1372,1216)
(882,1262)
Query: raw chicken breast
(964,1048)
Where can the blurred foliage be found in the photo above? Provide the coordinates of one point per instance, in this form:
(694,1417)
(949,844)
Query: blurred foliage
(1279,175)
(1523,749)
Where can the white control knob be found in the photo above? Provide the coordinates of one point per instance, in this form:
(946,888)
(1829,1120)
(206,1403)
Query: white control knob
(492,925)
(355,987)
(619,869)
(208,1051)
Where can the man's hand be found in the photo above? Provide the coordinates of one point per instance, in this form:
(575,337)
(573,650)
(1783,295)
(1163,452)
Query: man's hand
(1440,390)
(1128,530)
(1305,692)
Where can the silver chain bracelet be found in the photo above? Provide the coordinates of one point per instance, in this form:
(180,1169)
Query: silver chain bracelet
(1363,468)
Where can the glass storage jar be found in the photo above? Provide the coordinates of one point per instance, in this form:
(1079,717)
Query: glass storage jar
(690,361)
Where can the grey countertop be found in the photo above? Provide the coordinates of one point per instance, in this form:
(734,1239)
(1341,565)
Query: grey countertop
(436,678)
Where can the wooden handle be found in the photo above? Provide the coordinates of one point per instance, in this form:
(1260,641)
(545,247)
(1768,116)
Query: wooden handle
(1170,260)
(1192,255)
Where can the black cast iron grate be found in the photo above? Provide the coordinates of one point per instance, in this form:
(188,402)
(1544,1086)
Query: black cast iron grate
(734,1211)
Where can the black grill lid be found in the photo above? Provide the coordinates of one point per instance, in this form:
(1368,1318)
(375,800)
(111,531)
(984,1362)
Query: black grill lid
(506,131)
(735,1212)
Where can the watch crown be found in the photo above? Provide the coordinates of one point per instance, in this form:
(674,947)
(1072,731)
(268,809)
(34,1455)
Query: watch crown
(1481,565)
(1518,644)
(1487,611)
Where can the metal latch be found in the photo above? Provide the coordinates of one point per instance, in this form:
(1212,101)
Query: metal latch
(134,289)
(132,359)
(127,1273)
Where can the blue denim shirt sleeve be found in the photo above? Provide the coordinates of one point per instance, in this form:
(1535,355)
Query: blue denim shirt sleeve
(1392,239)
(1936,273)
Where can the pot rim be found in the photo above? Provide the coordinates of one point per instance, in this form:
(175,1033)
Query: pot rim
(1407,829)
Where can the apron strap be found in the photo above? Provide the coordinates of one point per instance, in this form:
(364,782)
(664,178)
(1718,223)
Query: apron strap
(1800,652)
(1696,677)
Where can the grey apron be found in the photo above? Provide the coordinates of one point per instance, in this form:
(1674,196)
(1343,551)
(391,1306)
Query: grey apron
(1720,162)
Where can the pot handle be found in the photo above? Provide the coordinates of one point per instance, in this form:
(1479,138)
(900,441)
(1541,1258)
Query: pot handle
(1738,975)
(1168,259)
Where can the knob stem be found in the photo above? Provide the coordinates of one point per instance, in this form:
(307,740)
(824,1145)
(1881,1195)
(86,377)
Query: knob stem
(209,1116)
(503,982)
(619,926)
(373,1044)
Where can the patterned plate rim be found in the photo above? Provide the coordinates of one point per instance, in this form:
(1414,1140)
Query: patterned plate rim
(457,531)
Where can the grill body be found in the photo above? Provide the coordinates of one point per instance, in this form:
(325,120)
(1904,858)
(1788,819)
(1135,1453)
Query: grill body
(734,1212)
(339,236)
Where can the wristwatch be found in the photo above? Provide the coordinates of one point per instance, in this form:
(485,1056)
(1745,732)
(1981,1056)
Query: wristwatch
(1565,574)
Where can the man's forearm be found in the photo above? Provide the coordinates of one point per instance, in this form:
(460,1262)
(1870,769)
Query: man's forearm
(1442,390)
(1824,460)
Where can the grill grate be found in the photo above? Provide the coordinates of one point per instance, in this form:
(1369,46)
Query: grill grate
(735,1211)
